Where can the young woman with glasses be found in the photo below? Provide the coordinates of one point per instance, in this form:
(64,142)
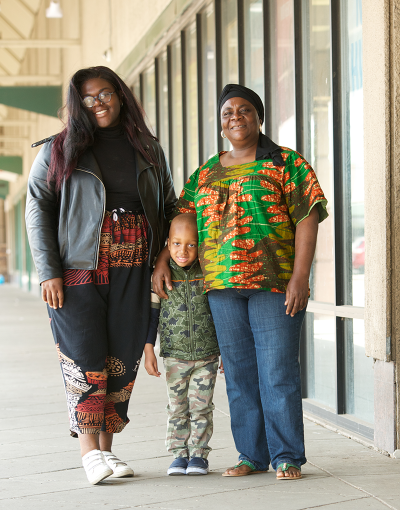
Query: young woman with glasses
(100,196)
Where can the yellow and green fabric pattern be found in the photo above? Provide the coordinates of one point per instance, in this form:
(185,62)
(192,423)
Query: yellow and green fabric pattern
(247,216)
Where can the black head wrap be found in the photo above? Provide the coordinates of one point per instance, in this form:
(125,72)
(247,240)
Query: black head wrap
(266,149)
(234,90)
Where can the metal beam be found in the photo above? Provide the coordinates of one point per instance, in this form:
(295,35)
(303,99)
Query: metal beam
(13,138)
(8,176)
(17,122)
(40,43)
(29,79)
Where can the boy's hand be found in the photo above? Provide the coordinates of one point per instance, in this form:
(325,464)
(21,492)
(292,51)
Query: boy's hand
(150,361)
(221,367)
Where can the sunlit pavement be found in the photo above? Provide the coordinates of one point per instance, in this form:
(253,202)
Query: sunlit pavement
(40,465)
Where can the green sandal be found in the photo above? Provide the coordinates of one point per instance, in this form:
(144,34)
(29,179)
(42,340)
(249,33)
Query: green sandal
(285,467)
(247,463)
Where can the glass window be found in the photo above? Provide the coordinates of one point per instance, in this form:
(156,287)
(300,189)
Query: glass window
(229,27)
(359,373)
(191,107)
(136,87)
(283,113)
(254,46)
(319,137)
(230,57)
(163,135)
(321,358)
(353,148)
(149,97)
(176,81)
(209,84)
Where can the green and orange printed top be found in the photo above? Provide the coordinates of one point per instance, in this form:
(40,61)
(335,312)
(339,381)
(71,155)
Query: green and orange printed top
(247,216)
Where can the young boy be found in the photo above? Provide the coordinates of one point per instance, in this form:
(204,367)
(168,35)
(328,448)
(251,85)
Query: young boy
(190,351)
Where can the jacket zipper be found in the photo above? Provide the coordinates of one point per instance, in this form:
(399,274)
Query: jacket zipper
(188,304)
(102,218)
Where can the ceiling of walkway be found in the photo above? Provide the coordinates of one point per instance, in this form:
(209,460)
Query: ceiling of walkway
(30,69)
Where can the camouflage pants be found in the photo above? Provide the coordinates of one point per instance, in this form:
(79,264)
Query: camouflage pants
(190,387)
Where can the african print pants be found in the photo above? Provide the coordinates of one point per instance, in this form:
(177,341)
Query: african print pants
(101,330)
(190,387)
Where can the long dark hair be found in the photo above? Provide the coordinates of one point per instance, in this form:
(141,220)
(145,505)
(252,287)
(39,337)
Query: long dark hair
(80,128)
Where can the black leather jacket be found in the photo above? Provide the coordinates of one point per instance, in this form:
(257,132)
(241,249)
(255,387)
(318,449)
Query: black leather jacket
(64,229)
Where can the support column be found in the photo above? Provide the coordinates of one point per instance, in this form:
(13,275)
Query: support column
(380,316)
(394,91)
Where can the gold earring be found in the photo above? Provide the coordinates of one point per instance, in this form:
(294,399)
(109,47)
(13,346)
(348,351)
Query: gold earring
(222,134)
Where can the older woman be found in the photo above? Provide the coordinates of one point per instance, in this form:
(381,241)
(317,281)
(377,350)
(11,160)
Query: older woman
(258,208)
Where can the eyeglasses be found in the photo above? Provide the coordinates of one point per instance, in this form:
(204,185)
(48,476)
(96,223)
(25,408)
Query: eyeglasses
(103,97)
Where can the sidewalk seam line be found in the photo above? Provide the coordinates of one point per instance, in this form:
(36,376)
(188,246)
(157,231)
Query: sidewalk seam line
(354,486)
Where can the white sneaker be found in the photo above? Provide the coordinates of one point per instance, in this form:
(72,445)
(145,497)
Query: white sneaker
(96,467)
(120,469)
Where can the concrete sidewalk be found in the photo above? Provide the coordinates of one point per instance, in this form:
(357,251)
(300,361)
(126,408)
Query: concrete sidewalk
(40,465)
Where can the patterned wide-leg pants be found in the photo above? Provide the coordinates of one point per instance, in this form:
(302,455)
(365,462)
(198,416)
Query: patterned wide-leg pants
(101,330)
(190,387)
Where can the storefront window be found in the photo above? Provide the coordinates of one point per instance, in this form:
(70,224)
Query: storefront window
(353,149)
(319,138)
(337,377)
(136,88)
(254,47)
(359,373)
(177,153)
(191,100)
(230,65)
(209,84)
(321,358)
(149,97)
(283,116)
(163,135)
(230,61)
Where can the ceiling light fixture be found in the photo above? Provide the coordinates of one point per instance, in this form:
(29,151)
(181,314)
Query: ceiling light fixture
(54,10)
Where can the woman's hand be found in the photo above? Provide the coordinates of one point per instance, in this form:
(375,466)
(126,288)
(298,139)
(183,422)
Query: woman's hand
(221,367)
(53,293)
(162,273)
(296,295)
(305,241)
(150,361)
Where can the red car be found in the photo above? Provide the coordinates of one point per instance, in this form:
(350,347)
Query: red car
(358,254)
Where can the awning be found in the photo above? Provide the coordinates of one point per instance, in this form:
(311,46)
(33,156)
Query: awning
(45,100)
(11,164)
(3,189)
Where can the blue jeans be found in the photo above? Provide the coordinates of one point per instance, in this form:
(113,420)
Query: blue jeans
(259,346)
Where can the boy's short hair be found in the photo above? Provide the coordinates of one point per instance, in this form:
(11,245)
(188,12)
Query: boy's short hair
(187,219)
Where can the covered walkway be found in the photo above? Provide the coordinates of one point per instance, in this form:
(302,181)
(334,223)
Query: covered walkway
(40,465)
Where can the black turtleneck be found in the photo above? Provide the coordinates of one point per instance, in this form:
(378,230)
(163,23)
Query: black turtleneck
(117,161)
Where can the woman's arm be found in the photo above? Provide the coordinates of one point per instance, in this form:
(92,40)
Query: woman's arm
(162,273)
(41,219)
(305,241)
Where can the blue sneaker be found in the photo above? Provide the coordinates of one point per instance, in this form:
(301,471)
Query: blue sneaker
(178,467)
(197,466)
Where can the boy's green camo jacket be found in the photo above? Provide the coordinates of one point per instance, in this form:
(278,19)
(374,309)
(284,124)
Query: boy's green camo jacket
(186,326)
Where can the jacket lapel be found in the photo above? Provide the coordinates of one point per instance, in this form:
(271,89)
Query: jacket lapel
(88,162)
(141,162)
